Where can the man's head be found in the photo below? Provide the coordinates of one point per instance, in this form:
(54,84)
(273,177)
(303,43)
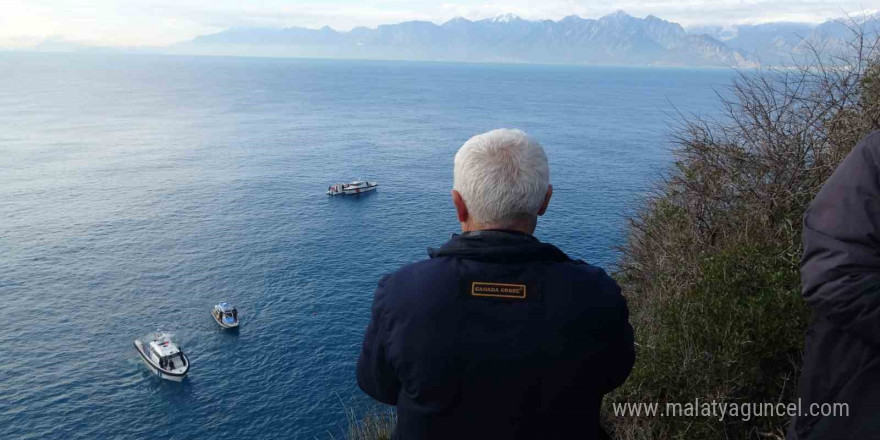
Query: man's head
(502,181)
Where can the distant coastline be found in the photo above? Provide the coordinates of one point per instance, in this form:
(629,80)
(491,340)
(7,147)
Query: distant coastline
(99,51)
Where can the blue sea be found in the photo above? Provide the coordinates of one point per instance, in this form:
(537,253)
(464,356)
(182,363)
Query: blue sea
(137,191)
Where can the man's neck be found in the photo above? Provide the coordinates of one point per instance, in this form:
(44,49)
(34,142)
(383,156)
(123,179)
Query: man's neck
(518,227)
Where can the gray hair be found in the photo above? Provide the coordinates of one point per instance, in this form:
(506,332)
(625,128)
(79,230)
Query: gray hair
(502,176)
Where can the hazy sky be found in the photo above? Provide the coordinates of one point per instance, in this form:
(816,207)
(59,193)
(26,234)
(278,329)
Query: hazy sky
(160,22)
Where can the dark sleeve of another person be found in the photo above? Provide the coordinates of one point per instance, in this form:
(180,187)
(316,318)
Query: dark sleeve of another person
(375,373)
(840,269)
(619,355)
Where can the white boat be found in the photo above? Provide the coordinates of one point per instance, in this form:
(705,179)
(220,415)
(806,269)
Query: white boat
(225,315)
(163,357)
(356,187)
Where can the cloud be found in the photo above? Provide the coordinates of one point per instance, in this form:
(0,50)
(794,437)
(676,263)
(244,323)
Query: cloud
(161,22)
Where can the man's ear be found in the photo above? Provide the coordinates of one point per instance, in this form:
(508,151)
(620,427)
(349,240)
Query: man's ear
(460,207)
(546,200)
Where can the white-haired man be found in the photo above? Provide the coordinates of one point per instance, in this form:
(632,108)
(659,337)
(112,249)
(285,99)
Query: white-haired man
(497,335)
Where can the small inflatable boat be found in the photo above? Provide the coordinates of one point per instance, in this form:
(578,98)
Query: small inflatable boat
(163,357)
(225,315)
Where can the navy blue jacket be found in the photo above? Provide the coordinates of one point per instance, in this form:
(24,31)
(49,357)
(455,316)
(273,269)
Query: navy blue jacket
(496,336)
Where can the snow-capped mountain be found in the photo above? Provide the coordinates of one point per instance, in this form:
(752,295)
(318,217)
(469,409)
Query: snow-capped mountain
(617,38)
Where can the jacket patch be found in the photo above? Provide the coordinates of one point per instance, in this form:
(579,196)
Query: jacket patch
(498,290)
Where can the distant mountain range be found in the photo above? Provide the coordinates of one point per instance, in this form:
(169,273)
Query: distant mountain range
(618,38)
(613,39)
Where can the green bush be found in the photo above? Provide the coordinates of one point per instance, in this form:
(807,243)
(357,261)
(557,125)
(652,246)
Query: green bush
(711,265)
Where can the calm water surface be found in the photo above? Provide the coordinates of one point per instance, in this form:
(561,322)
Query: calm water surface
(138,191)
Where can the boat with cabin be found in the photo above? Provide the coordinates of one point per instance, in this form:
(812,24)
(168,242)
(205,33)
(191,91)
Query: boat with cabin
(356,187)
(225,314)
(163,357)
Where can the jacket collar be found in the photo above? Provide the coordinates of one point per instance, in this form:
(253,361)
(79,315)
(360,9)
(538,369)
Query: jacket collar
(498,245)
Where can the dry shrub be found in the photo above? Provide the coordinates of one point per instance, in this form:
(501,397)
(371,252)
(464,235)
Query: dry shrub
(376,424)
(710,267)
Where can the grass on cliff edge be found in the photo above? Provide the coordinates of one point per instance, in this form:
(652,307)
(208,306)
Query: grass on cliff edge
(376,424)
